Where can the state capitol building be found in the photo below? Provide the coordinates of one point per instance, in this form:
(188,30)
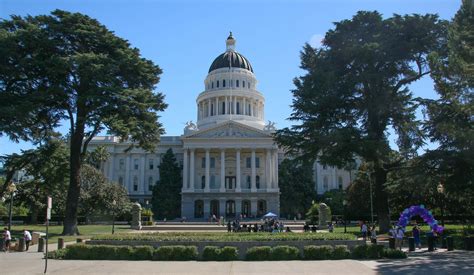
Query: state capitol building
(229,158)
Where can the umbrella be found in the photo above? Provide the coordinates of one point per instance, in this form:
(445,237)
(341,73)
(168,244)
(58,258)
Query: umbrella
(270,215)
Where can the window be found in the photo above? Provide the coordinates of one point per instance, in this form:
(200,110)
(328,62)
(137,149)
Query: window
(248,162)
(257,162)
(212,109)
(217,83)
(257,181)
(223,108)
(223,83)
(135,183)
(325,167)
(150,184)
(213,181)
(243,83)
(339,182)
(213,162)
(238,108)
(120,180)
(325,183)
(248,182)
(203,162)
(135,164)
(150,164)
(121,164)
(203,182)
(237,83)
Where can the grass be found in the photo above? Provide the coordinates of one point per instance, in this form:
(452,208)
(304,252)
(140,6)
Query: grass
(86,231)
(226,237)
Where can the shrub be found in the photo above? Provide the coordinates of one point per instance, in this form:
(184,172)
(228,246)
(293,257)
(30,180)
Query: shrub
(175,253)
(394,254)
(142,253)
(211,253)
(359,252)
(312,252)
(375,251)
(77,252)
(57,254)
(285,252)
(341,252)
(258,253)
(229,253)
(123,253)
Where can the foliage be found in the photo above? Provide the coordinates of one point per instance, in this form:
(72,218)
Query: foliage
(214,253)
(223,236)
(258,253)
(334,199)
(295,179)
(368,251)
(356,89)
(284,253)
(323,252)
(313,213)
(175,253)
(394,254)
(69,67)
(340,252)
(359,252)
(166,198)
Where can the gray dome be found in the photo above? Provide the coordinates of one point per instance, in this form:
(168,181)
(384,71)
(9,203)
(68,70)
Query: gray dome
(230,59)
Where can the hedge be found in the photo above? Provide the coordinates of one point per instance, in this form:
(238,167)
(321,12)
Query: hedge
(323,252)
(258,253)
(394,254)
(284,253)
(340,252)
(214,253)
(175,253)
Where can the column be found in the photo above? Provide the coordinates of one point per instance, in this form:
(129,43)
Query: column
(238,207)
(208,107)
(208,164)
(268,164)
(191,171)
(244,107)
(253,207)
(111,167)
(222,187)
(207,208)
(254,172)
(237,179)
(128,182)
(185,169)
(226,106)
(275,181)
(142,185)
(334,182)
(221,208)
(216,112)
(235,105)
(251,107)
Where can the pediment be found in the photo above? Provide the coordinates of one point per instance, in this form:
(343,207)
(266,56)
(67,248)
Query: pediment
(230,129)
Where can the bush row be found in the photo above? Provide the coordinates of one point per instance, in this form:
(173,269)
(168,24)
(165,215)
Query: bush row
(227,253)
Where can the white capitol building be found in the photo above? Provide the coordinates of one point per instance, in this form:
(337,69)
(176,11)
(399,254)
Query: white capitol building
(229,158)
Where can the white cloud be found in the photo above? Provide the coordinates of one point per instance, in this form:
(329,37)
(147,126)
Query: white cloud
(316,40)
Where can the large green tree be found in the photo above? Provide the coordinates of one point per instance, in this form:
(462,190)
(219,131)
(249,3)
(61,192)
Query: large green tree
(295,180)
(450,122)
(166,199)
(68,68)
(356,89)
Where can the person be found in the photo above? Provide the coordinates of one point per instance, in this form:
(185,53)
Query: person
(229,226)
(27,236)
(373,235)
(8,238)
(363,230)
(288,229)
(330,227)
(416,235)
(399,238)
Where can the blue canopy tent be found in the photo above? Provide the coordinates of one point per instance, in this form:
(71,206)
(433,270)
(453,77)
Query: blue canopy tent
(270,215)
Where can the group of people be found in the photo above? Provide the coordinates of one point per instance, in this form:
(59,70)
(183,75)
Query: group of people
(368,232)
(7,238)
(268,225)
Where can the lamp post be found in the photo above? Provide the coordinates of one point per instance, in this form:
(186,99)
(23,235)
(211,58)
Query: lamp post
(344,203)
(440,189)
(114,203)
(11,189)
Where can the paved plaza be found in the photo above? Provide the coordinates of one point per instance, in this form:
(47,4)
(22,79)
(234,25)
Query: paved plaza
(455,262)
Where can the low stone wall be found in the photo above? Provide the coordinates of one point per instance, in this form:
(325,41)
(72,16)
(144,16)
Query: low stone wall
(241,246)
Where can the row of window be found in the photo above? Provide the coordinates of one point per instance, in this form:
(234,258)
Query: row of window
(151,183)
(237,84)
(136,165)
(230,182)
(326,183)
(248,162)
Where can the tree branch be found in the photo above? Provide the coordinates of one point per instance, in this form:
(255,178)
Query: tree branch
(407,80)
(89,138)
(71,118)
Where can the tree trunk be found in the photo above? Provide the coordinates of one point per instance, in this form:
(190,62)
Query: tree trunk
(74,189)
(381,199)
(33,214)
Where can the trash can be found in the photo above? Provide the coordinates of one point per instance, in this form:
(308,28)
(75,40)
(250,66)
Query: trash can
(41,245)
(450,243)
(468,243)
(443,243)
(431,241)
(60,243)
(391,243)
(21,245)
(411,244)
(2,244)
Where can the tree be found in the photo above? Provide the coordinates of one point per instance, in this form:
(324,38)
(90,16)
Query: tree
(450,118)
(296,187)
(98,194)
(355,90)
(166,198)
(68,67)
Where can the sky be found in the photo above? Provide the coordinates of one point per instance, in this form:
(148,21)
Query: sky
(183,38)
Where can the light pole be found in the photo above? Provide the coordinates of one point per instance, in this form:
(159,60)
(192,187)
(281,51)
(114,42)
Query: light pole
(440,189)
(11,189)
(344,203)
(114,203)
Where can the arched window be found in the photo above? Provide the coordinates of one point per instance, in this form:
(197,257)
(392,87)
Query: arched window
(150,183)
(261,207)
(230,208)
(339,182)
(325,183)
(203,182)
(257,181)
(237,83)
(238,108)
(246,208)
(198,209)
(217,83)
(248,182)
(223,83)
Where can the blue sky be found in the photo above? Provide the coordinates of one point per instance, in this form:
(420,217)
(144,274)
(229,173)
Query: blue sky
(184,37)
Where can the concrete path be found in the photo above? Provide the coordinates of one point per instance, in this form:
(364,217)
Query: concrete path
(456,262)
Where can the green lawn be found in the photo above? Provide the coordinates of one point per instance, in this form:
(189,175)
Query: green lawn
(86,231)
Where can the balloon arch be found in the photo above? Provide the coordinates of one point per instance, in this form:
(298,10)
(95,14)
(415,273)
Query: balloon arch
(419,210)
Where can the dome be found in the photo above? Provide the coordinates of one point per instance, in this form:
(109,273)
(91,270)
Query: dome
(230,58)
